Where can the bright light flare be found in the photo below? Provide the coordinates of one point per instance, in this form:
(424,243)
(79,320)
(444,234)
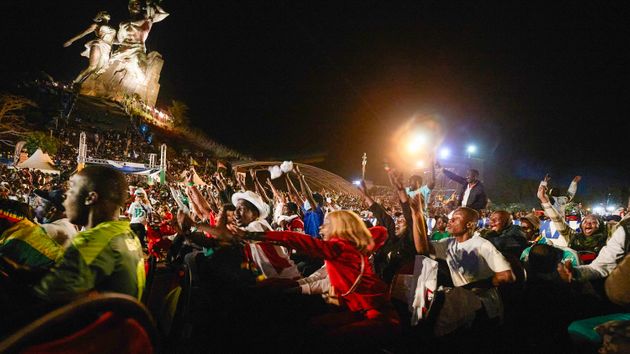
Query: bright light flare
(356,182)
(445,153)
(611,208)
(471,149)
(420,164)
(417,142)
(598,210)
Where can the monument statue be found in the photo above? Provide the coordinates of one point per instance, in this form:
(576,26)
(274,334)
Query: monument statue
(130,70)
(96,50)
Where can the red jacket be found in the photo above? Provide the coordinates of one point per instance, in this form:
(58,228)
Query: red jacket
(343,262)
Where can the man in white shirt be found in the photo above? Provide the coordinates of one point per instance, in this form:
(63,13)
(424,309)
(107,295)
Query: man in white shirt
(472,260)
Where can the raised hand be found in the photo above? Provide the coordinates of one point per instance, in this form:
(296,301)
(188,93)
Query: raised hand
(576,179)
(183,220)
(565,271)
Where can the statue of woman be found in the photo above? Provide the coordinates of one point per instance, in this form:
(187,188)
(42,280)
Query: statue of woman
(96,50)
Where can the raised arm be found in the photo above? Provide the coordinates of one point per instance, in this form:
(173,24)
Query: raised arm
(573,187)
(259,188)
(364,192)
(294,196)
(420,234)
(87,31)
(304,187)
(563,228)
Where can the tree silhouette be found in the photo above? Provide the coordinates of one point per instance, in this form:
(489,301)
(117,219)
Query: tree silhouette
(12,120)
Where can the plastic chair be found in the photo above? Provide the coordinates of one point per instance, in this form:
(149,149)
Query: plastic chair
(118,324)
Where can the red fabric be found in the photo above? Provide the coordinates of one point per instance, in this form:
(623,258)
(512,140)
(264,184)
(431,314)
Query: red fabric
(343,262)
(379,234)
(109,334)
(277,261)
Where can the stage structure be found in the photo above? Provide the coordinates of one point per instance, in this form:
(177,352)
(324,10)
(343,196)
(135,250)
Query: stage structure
(126,70)
(123,166)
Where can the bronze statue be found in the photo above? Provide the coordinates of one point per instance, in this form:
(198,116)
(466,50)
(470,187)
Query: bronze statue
(96,50)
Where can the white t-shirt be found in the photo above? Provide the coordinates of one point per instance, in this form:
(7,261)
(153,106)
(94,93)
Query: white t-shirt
(472,260)
(139,212)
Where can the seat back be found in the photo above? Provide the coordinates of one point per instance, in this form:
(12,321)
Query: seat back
(114,323)
(169,301)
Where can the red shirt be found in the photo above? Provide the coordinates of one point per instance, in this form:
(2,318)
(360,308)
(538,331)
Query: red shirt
(343,262)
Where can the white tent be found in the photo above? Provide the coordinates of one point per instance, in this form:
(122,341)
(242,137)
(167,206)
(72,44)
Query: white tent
(40,161)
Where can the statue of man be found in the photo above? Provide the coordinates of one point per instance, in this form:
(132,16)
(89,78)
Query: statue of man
(132,35)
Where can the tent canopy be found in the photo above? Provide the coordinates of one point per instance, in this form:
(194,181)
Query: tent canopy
(40,161)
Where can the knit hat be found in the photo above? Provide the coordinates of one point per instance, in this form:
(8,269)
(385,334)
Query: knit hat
(533,219)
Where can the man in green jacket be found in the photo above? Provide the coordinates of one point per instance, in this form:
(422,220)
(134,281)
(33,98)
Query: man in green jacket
(107,255)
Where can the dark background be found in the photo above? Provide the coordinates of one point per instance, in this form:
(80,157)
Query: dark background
(537,88)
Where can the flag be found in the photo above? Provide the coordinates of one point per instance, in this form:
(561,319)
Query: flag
(193,162)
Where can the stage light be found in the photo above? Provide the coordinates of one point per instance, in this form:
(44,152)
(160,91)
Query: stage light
(611,208)
(445,153)
(417,142)
(356,182)
(471,149)
(420,163)
(598,210)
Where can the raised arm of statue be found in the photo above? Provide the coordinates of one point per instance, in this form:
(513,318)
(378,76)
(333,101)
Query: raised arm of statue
(155,13)
(87,31)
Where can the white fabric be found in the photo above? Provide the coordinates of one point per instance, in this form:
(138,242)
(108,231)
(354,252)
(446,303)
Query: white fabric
(275,171)
(466,195)
(426,268)
(139,212)
(61,231)
(471,260)
(260,258)
(286,167)
(316,283)
(40,161)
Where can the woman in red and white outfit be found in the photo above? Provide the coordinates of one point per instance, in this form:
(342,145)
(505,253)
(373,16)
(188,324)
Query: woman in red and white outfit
(345,248)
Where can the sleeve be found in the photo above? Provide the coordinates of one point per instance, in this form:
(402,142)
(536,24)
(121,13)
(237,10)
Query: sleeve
(494,258)
(565,231)
(316,283)
(572,190)
(606,260)
(306,244)
(454,177)
(70,277)
(618,284)
(406,210)
(383,218)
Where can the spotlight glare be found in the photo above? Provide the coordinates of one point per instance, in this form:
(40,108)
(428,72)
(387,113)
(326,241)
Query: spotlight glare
(445,153)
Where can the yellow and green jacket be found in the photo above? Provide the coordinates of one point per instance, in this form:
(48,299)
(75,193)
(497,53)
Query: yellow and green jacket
(28,244)
(106,258)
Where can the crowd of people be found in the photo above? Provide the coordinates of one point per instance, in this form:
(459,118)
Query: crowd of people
(301,270)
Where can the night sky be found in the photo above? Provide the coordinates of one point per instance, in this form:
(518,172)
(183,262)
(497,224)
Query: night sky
(538,89)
